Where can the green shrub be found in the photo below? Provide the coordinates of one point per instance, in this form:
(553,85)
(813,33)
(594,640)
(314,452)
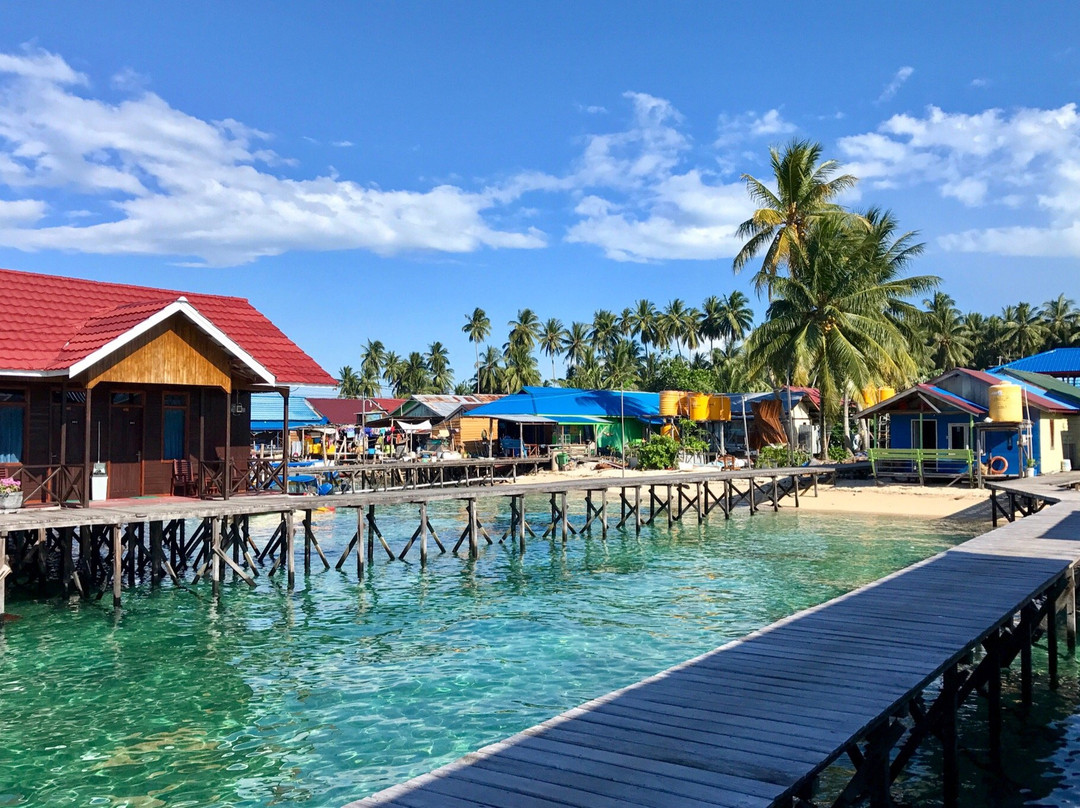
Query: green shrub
(659,452)
(779,456)
(837,453)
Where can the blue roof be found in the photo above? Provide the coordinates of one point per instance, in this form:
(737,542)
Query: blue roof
(1064,361)
(266,412)
(569,401)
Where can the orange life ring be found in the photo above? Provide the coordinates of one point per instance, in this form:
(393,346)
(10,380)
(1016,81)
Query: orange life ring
(993,462)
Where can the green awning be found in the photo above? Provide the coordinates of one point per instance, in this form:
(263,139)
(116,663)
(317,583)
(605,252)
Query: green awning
(577,420)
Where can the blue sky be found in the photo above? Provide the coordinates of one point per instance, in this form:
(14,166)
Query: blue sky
(377,170)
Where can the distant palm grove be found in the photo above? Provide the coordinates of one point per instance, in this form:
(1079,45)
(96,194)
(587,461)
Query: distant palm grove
(842,313)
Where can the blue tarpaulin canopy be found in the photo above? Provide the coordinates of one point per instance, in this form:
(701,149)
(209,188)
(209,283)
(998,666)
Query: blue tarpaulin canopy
(563,403)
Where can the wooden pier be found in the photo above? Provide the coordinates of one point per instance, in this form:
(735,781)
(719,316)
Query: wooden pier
(755,722)
(92,551)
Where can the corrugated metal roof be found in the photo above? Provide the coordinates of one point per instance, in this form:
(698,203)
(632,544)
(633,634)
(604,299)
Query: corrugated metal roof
(266,412)
(1055,388)
(1059,362)
(440,406)
(349,410)
(942,396)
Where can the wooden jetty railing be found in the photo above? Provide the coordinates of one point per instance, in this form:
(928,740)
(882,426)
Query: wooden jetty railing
(90,549)
(755,722)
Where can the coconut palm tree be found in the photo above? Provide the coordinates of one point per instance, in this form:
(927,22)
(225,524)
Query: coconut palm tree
(525,330)
(576,344)
(834,319)
(489,371)
(392,368)
(520,369)
(690,334)
(415,377)
(373,359)
(622,370)
(947,338)
(605,330)
(711,319)
(588,372)
(736,317)
(348,383)
(805,188)
(675,322)
(1062,321)
(1025,330)
(643,324)
(438,363)
(551,341)
(477,328)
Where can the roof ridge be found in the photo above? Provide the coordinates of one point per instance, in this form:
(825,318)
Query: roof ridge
(115,285)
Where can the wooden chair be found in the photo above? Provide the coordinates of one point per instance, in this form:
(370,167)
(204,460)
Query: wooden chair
(184,479)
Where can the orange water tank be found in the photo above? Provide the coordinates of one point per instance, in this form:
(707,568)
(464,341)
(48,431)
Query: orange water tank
(719,408)
(699,407)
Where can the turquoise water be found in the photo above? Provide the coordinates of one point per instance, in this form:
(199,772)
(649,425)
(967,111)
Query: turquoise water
(340,688)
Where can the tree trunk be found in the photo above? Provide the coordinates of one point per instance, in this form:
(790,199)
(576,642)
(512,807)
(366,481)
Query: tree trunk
(824,433)
(847,427)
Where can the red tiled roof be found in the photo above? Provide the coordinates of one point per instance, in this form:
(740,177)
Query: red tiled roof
(51,322)
(346,410)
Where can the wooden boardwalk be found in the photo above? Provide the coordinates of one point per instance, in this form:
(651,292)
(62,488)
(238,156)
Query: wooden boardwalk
(752,724)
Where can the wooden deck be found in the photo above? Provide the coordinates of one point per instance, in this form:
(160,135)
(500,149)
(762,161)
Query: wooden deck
(751,724)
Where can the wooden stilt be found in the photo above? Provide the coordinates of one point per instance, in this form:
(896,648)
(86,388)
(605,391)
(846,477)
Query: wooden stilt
(637,510)
(423,533)
(117,558)
(215,560)
(950,777)
(474,544)
(603,513)
(1026,630)
(372,530)
(307,542)
(5,570)
(157,555)
(1070,610)
(290,547)
(670,517)
(360,544)
(993,696)
(1052,638)
(562,516)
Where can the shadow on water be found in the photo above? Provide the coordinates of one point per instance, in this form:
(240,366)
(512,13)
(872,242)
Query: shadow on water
(340,688)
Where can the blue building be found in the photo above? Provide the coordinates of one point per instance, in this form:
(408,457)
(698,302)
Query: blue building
(949,416)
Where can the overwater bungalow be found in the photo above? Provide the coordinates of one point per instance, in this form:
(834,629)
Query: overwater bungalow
(111,390)
(949,428)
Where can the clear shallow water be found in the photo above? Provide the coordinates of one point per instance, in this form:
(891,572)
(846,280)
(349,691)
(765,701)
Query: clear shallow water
(339,689)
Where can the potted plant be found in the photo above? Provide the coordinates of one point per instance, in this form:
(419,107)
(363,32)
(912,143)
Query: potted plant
(11,497)
(1031,470)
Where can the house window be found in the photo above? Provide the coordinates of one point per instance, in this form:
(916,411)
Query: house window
(174,427)
(127,399)
(958,436)
(12,425)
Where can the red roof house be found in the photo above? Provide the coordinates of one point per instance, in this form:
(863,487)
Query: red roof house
(135,383)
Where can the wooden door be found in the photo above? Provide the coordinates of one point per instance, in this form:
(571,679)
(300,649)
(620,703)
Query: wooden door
(125,450)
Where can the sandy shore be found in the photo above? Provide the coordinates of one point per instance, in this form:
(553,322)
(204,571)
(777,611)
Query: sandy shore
(847,496)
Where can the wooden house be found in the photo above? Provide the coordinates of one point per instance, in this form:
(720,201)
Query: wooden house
(114,390)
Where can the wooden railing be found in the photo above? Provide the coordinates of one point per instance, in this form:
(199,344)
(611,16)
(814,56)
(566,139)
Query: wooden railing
(211,482)
(49,485)
(954,463)
(265,475)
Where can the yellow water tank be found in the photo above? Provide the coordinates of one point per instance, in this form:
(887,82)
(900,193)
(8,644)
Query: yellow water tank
(869,396)
(699,407)
(1005,403)
(684,405)
(670,430)
(885,392)
(719,408)
(669,402)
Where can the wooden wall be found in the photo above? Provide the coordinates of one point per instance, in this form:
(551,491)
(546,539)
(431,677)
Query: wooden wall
(175,352)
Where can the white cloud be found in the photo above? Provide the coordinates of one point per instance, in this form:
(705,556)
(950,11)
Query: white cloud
(172,184)
(893,87)
(733,129)
(1026,159)
(343,144)
(980,83)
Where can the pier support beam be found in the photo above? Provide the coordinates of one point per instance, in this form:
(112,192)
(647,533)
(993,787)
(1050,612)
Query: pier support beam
(993,696)
(5,570)
(950,775)
(290,547)
(117,569)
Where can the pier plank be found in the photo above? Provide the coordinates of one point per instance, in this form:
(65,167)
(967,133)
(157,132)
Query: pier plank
(750,722)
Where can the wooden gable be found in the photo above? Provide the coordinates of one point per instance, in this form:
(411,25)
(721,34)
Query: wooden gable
(175,352)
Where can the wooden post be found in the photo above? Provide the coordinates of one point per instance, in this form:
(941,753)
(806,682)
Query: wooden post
(637,510)
(5,570)
(993,696)
(423,533)
(670,518)
(360,544)
(698,501)
(1026,629)
(307,542)
(950,751)
(202,442)
(562,517)
(88,465)
(795,488)
(474,548)
(371,534)
(227,473)
(118,573)
(284,440)
(290,548)
(1070,610)
(603,513)
(216,571)
(1052,638)
(157,555)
